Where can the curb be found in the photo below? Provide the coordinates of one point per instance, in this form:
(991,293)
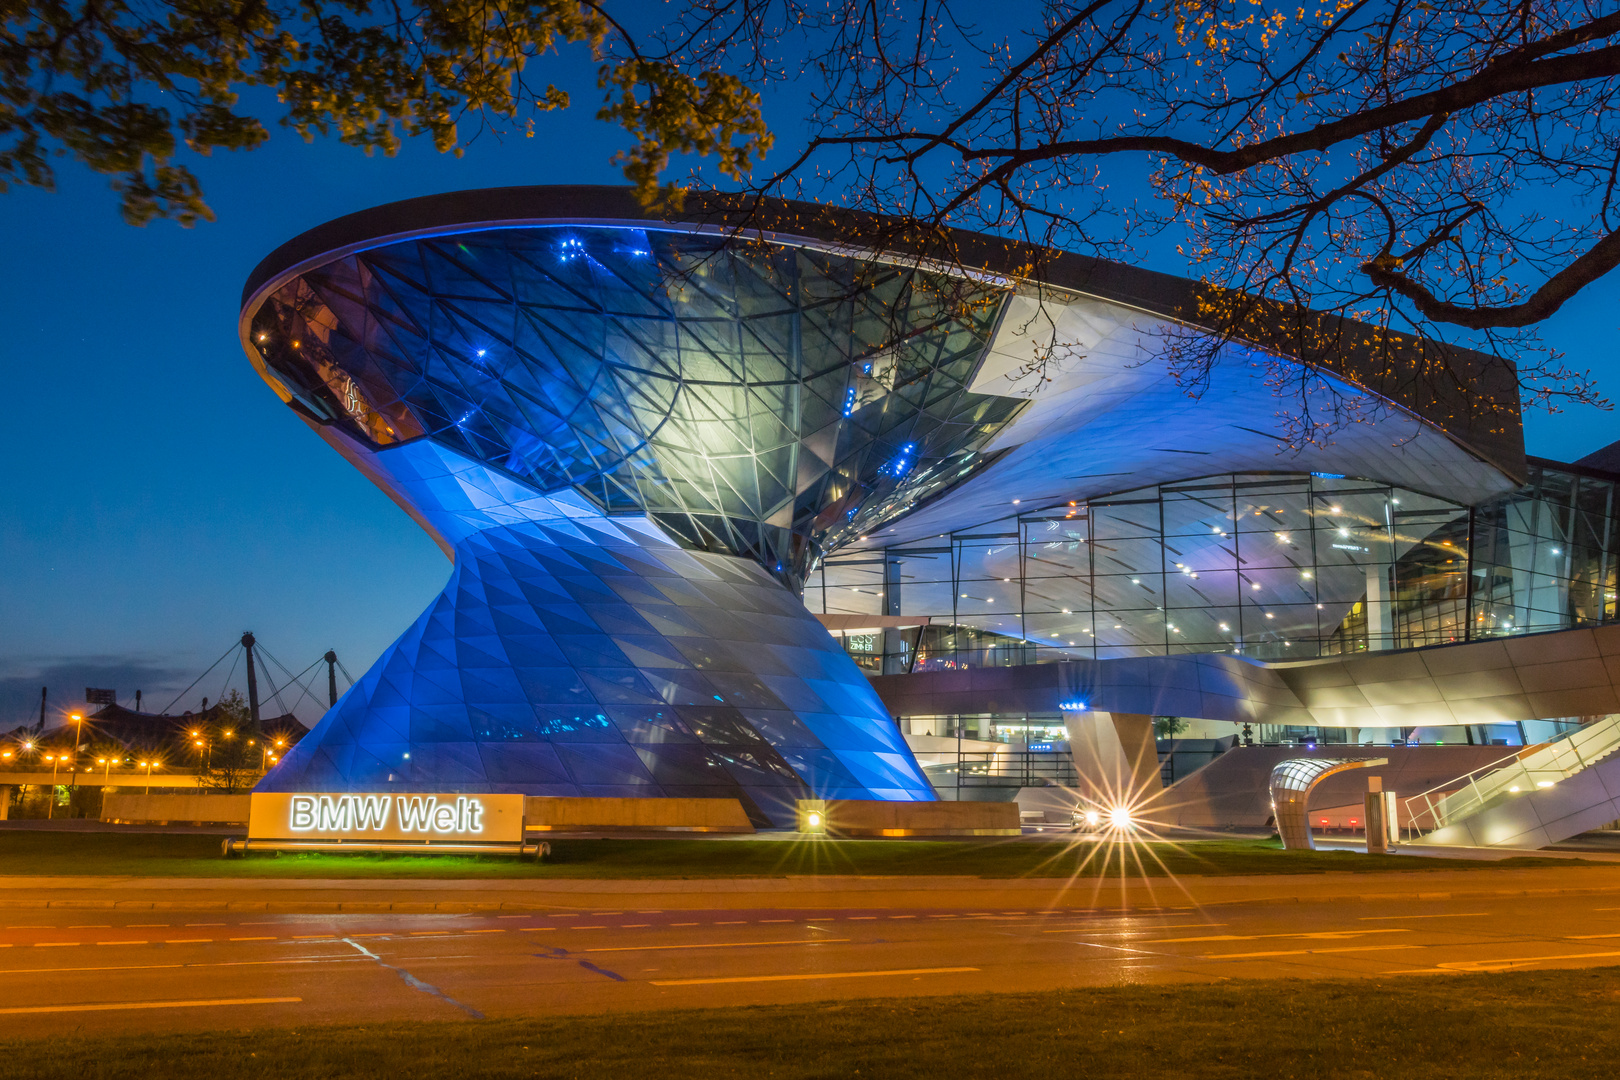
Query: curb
(832,896)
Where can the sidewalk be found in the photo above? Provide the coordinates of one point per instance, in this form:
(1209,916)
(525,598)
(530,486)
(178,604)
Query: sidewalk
(830,893)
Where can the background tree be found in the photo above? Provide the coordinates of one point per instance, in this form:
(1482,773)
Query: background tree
(121,85)
(1443,170)
(231,755)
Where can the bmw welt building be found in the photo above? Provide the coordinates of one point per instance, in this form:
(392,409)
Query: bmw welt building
(773,517)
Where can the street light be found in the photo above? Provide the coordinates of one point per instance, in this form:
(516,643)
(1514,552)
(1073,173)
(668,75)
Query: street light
(78,744)
(55,760)
(106,763)
(147,765)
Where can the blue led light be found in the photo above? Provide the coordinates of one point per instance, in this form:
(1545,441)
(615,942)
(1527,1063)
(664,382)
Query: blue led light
(849,401)
(1072,706)
(1328,475)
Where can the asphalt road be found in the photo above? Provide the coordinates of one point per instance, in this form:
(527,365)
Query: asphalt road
(67,971)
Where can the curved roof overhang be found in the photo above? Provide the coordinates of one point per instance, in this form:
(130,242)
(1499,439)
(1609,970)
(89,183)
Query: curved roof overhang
(1465,426)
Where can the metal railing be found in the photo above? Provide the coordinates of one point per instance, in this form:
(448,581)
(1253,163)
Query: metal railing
(1004,768)
(1525,770)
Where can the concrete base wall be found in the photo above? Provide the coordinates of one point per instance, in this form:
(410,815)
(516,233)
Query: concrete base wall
(166,809)
(561,814)
(850,817)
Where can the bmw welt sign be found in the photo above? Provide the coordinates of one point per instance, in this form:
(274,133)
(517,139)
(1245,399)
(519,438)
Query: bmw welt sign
(358,816)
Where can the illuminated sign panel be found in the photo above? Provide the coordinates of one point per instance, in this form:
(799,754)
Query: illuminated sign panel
(356,816)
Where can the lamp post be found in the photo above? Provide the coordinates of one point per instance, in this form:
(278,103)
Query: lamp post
(147,765)
(50,806)
(78,745)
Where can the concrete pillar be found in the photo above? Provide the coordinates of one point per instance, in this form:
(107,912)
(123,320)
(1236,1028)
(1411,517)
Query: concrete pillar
(1377,816)
(5,801)
(1115,759)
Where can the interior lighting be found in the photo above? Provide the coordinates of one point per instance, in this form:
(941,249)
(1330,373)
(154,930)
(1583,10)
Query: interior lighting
(1120,818)
(1017,501)
(1337,509)
(1224,627)
(1093,818)
(1545,783)
(1136,581)
(813,819)
(1555,551)
(1344,532)
(1305,574)
(1255,585)
(1514,789)
(1269,615)
(1282,536)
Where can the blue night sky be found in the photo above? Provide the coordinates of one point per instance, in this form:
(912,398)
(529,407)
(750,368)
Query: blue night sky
(157,498)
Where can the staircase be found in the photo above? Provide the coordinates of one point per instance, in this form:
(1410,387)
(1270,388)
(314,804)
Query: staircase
(1529,799)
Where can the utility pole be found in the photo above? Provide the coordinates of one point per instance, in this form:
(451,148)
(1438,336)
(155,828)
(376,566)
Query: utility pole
(253,679)
(331,677)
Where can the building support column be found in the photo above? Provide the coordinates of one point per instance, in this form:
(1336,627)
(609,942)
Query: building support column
(1115,758)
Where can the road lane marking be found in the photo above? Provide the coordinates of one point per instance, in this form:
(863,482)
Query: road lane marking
(1588,937)
(1324,935)
(189,925)
(120,943)
(651,911)
(600,913)
(775,920)
(822,975)
(1447,915)
(732,922)
(492,930)
(1490,965)
(902,916)
(715,945)
(253,939)
(595,927)
(436,933)
(683,924)
(412,981)
(861,918)
(205,1003)
(189,941)
(320,937)
(51,944)
(151,925)
(175,967)
(1309,952)
(91,926)
(1093,929)
(626,926)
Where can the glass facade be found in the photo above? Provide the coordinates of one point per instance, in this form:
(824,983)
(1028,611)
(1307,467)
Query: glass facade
(755,399)
(1275,567)
(573,654)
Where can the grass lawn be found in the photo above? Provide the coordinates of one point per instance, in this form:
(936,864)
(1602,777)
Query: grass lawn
(171,855)
(1539,1024)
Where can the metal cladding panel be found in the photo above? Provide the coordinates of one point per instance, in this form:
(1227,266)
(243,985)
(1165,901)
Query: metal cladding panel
(522,676)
